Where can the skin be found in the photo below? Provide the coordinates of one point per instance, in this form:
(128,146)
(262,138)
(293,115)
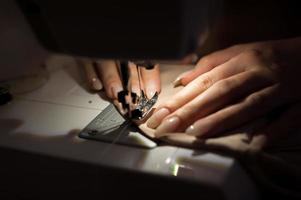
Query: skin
(105,75)
(231,87)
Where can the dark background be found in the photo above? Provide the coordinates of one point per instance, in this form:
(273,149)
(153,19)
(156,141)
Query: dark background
(243,21)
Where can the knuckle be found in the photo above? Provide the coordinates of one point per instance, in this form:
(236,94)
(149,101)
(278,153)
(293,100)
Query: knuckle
(223,89)
(266,48)
(205,60)
(237,47)
(187,112)
(256,99)
(253,58)
(225,85)
(252,55)
(205,82)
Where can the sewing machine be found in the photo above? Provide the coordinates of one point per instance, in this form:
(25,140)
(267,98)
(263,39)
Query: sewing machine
(45,158)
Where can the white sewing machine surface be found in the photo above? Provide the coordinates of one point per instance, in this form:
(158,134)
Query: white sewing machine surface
(47,121)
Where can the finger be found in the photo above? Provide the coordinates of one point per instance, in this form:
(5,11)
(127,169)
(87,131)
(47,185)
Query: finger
(189,59)
(92,77)
(151,80)
(177,82)
(236,115)
(118,105)
(134,79)
(202,83)
(210,61)
(109,75)
(218,96)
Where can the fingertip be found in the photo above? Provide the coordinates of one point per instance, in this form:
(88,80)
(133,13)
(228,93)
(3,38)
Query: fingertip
(157,68)
(96,84)
(155,120)
(189,77)
(182,79)
(190,59)
(109,94)
(196,131)
(152,85)
(177,82)
(109,75)
(151,90)
(113,92)
(150,94)
(168,125)
(151,81)
(190,130)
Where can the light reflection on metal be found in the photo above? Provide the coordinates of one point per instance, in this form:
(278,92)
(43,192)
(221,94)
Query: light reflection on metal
(134,106)
(174,169)
(144,106)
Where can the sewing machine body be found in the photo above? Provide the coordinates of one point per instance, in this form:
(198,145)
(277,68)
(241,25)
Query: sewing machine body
(121,29)
(43,157)
(46,123)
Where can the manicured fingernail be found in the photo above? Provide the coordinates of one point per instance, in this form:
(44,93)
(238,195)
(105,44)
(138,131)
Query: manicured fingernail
(196,129)
(96,84)
(178,81)
(150,94)
(151,89)
(155,120)
(168,126)
(190,130)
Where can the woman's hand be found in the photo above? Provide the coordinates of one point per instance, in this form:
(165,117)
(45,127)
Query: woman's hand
(233,86)
(105,74)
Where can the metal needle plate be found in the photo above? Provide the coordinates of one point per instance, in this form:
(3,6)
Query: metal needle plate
(110,126)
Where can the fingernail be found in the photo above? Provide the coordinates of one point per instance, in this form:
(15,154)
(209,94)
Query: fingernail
(96,84)
(178,81)
(190,130)
(115,90)
(150,94)
(168,126)
(155,120)
(196,129)
(151,89)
